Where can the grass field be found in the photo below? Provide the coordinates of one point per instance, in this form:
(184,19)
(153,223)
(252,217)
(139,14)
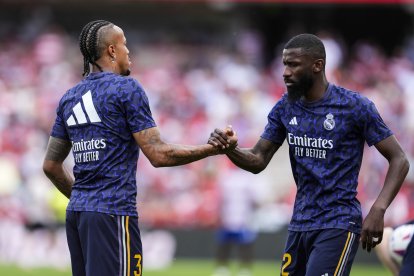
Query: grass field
(193,268)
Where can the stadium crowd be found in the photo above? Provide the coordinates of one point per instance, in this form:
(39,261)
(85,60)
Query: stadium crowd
(192,89)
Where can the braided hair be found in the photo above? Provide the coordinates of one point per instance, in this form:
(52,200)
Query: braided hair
(90,43)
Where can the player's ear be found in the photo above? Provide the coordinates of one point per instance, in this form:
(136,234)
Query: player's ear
(318,65)
(111,50)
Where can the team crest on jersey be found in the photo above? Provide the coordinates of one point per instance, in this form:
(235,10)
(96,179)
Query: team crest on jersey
(329,123)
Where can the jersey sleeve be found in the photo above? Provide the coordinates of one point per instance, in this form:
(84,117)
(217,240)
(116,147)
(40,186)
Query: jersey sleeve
(137,109)
(275,131)
(374,128)
(59,127)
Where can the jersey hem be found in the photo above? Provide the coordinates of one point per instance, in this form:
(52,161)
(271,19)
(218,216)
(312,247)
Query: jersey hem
(306,229)
(271,140)
(143,128)
(116,213)
(380,139)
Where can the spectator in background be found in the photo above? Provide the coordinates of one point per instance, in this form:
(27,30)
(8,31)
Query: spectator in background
(236,207)
(396,251)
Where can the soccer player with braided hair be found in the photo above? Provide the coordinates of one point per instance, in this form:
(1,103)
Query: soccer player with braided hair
(105,120)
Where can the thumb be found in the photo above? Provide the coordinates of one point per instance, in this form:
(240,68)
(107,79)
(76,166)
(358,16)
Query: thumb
(229,130)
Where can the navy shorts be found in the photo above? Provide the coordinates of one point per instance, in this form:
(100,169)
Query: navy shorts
(407,266)
(320,252)
(242,236)
(103,244)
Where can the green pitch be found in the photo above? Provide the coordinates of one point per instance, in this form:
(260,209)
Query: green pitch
(194,268)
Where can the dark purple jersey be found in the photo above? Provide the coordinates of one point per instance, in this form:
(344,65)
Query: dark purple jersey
(326,141)
(98,116)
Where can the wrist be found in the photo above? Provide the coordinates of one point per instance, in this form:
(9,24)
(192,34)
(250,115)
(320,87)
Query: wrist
(378,208)
(213,150)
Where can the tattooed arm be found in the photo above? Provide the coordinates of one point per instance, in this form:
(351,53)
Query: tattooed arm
(56,153)
(162,154)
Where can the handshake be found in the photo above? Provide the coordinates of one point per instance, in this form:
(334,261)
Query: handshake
(223,140)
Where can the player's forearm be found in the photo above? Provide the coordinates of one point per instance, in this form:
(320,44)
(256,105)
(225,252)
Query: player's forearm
(168,155)
(247,160)
(59,177)
(397,171)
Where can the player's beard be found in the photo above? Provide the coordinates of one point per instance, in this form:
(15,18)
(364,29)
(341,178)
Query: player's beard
(126,73)
(300,88)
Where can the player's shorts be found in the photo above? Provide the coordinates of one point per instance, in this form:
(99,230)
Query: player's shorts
(407,266)
(319,253)
(104,245)
(241,236)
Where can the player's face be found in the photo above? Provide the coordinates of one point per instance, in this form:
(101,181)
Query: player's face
(122,53)
(297,75)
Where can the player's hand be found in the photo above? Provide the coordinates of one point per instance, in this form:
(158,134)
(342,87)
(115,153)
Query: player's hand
(224,140)
(372,229)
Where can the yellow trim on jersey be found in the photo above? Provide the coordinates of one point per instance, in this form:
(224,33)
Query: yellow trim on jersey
(343,254)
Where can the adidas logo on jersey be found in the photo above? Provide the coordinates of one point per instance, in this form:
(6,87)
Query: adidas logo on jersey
(293,122)
(80,115)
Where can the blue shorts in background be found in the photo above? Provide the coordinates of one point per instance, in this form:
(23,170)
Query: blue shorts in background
(319,253)
(103,244)
(240,236)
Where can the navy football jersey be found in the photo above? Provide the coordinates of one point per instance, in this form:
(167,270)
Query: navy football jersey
(326,141)
(98,116)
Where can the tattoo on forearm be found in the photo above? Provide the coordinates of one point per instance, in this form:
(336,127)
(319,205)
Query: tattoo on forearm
(63,182)
(63,186)
(164,154)
(179,155)
(58,149)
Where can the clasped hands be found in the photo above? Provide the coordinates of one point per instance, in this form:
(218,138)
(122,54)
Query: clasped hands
(224,140)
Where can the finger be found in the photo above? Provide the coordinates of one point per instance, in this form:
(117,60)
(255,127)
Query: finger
(212,142)
(363,240)
(219,136)
(379,235)
(221,142)
(221,133)
(229,130)
(376,239)
(369,242)
(380,238)
(216,141)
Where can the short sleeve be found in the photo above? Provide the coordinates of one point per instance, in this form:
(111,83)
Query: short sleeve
(374,128)
(137,109)
(275,131)
(59,127)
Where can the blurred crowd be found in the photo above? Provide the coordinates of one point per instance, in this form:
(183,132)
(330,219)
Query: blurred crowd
(192,89)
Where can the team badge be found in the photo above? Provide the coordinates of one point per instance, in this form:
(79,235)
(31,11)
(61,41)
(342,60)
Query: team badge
(329,123)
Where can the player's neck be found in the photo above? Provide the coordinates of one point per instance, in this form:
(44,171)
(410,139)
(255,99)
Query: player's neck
(104,67)
(318,90)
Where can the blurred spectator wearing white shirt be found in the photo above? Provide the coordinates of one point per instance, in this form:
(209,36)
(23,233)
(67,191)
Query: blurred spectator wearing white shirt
(237,206)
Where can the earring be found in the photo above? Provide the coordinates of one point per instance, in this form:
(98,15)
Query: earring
(112,59)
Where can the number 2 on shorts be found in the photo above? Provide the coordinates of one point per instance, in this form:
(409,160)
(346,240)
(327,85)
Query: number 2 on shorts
(287,259)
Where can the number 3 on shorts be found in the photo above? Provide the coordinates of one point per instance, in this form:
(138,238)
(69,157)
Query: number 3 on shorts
(287,259)
(137,272)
